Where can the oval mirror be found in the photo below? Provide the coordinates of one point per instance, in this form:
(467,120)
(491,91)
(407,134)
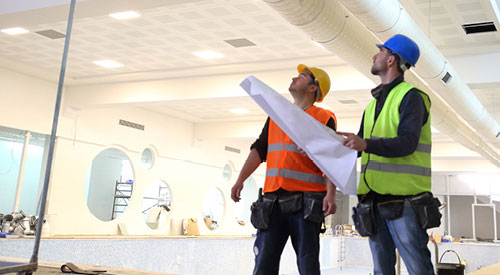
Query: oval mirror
(156,204)
(109,184)
(213,208)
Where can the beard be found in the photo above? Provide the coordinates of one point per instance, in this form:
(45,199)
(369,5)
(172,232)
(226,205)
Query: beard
(375,70)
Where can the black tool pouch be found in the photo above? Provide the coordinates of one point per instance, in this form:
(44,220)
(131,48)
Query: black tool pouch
(426,208)
(313,206)
(261,212)
(290,203)
(363,217)
(391,209)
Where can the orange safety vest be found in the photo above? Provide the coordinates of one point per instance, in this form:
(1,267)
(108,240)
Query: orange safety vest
(287,168)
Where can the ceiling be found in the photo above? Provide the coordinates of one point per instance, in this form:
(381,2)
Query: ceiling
(160,43)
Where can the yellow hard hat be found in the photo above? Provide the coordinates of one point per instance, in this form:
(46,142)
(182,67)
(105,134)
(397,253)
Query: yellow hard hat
(322,78)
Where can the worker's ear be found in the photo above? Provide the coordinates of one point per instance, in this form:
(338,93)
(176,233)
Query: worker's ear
(392,60)
(313,89)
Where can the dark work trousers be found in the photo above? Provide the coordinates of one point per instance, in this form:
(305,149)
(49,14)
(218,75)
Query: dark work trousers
(270,243)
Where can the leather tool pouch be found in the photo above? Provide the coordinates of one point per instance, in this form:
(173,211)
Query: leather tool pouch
(261,212)
(426,208)
(290,203)
(313,206)
(391,208)
(363,217)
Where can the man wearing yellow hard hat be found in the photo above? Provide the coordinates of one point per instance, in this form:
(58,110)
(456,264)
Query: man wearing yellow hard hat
(297,196)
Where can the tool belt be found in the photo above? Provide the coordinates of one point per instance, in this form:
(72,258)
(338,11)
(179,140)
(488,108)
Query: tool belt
(289,203)
(425,205)
(426,208)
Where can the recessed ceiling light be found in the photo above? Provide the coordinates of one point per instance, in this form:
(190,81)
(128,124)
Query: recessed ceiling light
(208,54)
(124,15)
(13,31)
(239,111)
(434,130)
(108,63)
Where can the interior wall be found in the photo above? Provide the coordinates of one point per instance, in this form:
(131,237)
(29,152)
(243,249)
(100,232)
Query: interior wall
(189,168)
(187,157)
(27,102)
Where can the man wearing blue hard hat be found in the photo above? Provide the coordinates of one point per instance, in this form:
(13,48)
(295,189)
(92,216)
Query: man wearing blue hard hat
(396,205)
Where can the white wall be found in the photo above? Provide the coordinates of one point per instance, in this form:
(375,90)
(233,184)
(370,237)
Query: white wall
(188,157)
(27,102)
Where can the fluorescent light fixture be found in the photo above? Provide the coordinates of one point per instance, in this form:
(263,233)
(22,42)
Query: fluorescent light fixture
(239,111)
(318,44)
(208,54)
(108,64)
(13,31)
(434,130)
(124,15)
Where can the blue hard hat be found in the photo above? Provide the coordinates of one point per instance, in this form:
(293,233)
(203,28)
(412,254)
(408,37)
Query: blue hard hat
(403,46)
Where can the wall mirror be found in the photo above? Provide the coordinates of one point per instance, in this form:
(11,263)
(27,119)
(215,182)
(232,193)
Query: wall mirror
(109,184)
(156,204)
(248,195)
(147,158)
(213,208)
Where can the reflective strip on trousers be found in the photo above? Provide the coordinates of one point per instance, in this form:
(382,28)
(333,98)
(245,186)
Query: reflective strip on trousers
(421,147)
(292,174)
(397,168)
(279,146)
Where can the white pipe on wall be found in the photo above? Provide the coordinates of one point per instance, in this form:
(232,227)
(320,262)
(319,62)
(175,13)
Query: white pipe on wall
(331,24)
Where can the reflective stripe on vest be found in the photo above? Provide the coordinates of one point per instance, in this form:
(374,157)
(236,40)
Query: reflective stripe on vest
(279,147)
(397,168)
(291,174)
(421,147)
(406,175)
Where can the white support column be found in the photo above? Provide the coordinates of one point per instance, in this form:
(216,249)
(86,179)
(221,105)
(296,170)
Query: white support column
(20,177)
(495,222)
(473,221)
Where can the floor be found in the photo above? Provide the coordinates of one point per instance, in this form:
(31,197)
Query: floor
(347,271)
(49,268)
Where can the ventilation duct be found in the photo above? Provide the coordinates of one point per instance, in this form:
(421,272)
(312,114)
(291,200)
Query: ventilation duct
(353,39)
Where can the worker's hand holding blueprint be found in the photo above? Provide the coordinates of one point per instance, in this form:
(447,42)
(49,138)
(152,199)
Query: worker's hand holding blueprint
(320,142)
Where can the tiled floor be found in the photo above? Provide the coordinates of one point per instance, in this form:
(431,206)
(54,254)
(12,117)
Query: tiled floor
(348,271)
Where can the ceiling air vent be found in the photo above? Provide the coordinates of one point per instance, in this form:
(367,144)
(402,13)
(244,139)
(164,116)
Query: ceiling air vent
(232,149)
(240,42)
(131,124)
(479,27)
(348,101)
(52,34)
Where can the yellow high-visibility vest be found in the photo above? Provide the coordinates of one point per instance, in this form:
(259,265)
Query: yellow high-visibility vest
(408,175)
